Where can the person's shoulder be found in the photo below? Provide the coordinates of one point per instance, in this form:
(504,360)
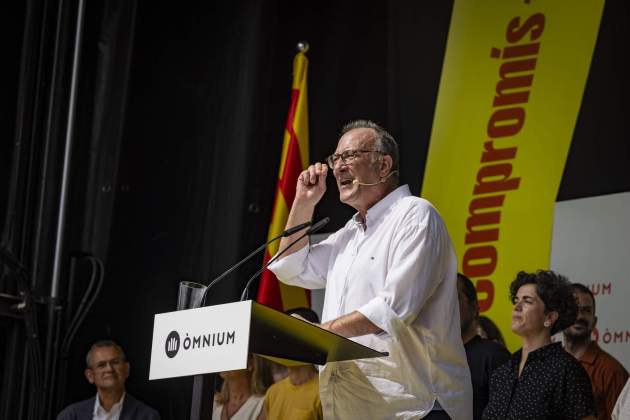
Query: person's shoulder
(138,409)
(278,386)
(572,368)
(77,410)
(562,357)
(502,374)
(610,363)
(416,208)
(416,203)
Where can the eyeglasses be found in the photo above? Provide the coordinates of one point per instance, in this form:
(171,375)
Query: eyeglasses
(347,157)
(103,364)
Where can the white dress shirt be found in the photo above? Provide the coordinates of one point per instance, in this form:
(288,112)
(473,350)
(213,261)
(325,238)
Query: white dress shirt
(399,271)
(250,410)
(114,414)
(622,406)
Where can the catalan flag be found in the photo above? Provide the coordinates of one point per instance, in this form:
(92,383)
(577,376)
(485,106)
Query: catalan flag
(294,159)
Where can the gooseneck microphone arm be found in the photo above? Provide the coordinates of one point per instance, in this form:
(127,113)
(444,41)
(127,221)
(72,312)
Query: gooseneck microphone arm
(317,226)
(284,234)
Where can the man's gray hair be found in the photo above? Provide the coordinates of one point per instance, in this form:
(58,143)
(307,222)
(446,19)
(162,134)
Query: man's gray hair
(103,343)
(384,142)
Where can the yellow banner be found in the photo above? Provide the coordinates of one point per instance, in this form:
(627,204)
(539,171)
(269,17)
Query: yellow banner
(512,82)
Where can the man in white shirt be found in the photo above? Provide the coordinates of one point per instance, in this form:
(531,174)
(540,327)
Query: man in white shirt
(390,279)
(622,406)
(108,369)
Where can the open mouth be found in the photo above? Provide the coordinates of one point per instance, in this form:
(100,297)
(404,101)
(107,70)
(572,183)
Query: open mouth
(345,182)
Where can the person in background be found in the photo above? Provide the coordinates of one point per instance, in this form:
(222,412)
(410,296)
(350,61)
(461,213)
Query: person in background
(483,355)
(541,380)
(607,375)
(278,371)
(296,396)
(621,411)
(486,328)
(108,370)
(243,391)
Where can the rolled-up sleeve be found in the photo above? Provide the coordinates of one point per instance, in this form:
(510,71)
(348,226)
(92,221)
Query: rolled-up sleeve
(305,268)
(416,266)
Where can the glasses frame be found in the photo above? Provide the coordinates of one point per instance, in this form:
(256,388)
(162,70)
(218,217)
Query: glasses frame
(350,155)
(104,364)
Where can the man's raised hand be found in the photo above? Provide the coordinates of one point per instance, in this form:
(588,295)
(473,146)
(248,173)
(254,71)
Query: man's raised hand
(311,184)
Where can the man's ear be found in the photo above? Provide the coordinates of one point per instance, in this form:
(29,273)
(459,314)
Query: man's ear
(127,368)
(89,375)
(386,165)
(553,317)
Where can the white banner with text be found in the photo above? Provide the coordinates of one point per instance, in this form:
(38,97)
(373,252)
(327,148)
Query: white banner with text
(591,245)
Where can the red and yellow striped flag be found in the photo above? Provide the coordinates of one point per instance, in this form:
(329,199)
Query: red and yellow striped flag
(294,159)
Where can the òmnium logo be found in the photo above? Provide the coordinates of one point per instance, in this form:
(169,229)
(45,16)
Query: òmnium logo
(172,344)
(215,339)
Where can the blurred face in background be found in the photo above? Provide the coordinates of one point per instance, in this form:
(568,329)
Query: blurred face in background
(586,320)
(108,369)
(467,310)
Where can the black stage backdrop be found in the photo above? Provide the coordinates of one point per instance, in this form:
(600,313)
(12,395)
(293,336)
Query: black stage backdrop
(180,119)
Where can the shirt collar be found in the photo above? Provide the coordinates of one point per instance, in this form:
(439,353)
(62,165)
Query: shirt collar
(540,353)
(379,209)
(98,408)
(545,351)
(591,353)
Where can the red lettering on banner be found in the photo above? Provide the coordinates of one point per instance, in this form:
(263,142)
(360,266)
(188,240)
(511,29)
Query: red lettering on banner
(486,288)
(601,289)
(481,219)
(479,261)
(611,337)
(514,76)
(492,155)
(506,122)
(494,177)
(534,24)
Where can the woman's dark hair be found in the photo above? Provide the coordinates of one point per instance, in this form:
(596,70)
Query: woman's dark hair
(491,330)
(556,293)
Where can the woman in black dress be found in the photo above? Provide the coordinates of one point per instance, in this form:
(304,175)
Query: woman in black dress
(541,380)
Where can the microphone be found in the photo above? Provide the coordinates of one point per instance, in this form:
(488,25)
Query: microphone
(297,228)
(284,234)
(317,226)
(357,182)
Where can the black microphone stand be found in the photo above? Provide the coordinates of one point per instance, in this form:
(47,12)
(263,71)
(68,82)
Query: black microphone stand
(201,405)
(284,234)
(317,226)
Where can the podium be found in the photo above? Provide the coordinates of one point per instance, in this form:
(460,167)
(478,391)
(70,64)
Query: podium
(218,338)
